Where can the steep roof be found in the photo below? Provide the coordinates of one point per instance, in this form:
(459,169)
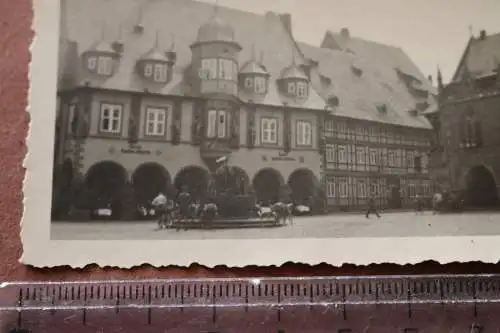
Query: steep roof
(364,75)
(173,19)
(481,57)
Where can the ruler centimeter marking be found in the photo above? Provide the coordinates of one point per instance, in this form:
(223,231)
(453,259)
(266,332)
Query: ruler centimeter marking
(280,295)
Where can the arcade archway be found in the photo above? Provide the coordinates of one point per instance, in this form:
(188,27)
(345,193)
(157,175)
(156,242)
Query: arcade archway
(481,190)
(233,179)
(194,179)
(267,185)
(105,182)
(148,180)
(304,186)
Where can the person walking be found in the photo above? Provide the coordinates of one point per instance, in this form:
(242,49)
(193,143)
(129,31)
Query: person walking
(372,207)
(160,205)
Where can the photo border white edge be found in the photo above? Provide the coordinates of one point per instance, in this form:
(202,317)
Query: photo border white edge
(40,251)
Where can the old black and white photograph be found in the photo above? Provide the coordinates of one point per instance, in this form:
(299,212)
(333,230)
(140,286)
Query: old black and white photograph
(212,120)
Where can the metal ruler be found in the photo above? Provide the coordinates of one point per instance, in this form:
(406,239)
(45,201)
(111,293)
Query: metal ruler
(408,304)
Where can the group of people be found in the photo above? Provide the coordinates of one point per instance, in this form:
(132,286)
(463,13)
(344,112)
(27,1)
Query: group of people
(437,201)
(183,206)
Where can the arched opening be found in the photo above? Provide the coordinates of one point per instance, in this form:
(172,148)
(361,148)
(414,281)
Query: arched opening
(148,180)
(194,179)
(233,180)
(304,187)
(105,182)
(267,185)
(481,191)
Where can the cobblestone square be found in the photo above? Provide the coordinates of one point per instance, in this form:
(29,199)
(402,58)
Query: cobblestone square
(406,224)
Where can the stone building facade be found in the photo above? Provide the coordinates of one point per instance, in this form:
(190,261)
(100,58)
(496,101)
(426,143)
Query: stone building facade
(469,124)
(152,97)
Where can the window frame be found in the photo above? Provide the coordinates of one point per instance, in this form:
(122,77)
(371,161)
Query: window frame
(216,132)
(330,153)
(113,107)
(301,89)
(160,72)
(157,110)
(148,70)
(302,140)
(330,189)
(269,121)
(248,82)
(91,63)
(212,69)
(104,65)
(260,82)
(342,154)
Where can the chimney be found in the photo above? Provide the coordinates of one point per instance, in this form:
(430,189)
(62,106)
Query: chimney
(429,78)
(482,34)
(345,34)
(286,20)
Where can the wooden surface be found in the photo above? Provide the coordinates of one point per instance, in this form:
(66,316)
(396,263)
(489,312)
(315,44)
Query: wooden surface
(15,38)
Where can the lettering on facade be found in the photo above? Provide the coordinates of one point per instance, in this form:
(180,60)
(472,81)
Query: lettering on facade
(135,151)
(281,157)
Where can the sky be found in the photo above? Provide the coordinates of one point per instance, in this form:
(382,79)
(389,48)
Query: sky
(432,32)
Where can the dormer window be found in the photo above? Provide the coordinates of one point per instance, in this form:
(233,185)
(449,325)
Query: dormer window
(298,89)
(253,78)
(301,89)
(260,85)
(101,65)
(294,83)
(156,66)
(100,59)
(160,73)
(249,82)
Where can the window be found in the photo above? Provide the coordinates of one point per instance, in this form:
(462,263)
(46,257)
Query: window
(410,162)
(360,155)
(111,118)
(105,66)
(156,121)
(342,154)
(226,67)
(304,134)
(343,187)
(330,189)
(248,82)
(91,63)
(269,130)
(222,69)
(330,153)
(301,89)
(148,70)
(260,85)
(208,69)
(391,157)
(373,156)
(160,73)
(291,88)
(217,124)
(361,188)
(329,127)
